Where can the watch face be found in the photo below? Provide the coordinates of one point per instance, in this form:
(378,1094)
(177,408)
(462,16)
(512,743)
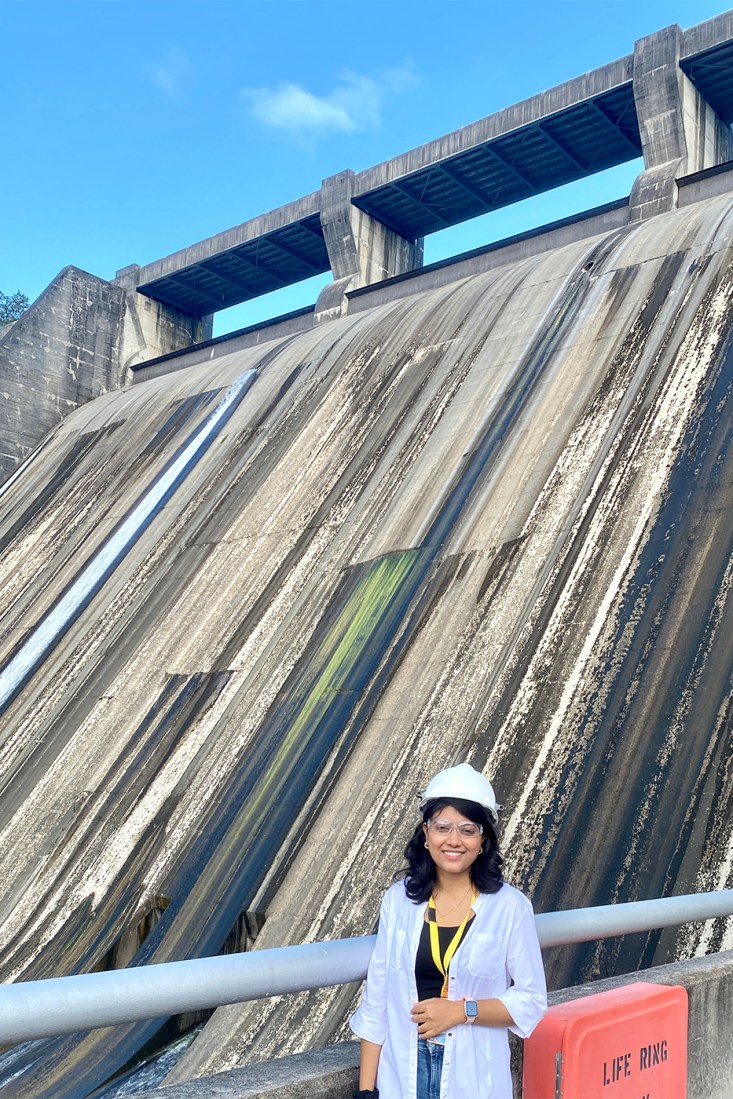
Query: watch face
(471,1009)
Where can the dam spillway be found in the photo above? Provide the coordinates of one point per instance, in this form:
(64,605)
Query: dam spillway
(488,520)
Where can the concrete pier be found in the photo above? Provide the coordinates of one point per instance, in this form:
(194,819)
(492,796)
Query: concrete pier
(681,132)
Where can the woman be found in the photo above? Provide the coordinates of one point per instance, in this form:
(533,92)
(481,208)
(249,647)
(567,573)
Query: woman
(456,964)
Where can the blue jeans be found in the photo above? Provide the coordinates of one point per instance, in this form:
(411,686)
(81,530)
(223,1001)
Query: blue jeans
(429,1069)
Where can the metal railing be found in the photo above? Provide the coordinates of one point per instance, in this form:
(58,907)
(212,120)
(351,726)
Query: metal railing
(64,1005)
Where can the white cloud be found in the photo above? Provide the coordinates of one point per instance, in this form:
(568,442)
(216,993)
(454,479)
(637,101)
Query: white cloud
(173,73)
(290,107)
(354,105)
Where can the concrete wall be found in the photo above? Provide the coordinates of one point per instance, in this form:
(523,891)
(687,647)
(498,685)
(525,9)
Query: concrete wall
(288,325)
(519,486)
(62,352)
(331,1073)
(708,184)
(75,342)
(533,243)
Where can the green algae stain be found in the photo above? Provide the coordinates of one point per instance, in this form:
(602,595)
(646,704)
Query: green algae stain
(363,621)
(359,619)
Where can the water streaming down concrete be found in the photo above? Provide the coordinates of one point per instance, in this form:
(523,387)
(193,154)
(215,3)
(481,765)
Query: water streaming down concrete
(52,627)
(487,521)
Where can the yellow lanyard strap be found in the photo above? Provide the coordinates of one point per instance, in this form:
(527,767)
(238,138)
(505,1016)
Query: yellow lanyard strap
(443,963)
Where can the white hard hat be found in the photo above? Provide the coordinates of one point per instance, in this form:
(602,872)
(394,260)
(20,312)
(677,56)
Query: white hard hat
(463,782)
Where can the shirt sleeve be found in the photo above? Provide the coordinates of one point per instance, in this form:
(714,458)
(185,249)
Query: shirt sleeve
(526,999)
(369,1021)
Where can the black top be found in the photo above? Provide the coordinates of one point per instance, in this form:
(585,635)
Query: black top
(428,977)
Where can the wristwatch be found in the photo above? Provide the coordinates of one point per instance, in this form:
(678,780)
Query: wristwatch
(471,1009)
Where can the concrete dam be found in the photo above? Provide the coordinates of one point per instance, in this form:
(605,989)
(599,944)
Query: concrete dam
(251,603)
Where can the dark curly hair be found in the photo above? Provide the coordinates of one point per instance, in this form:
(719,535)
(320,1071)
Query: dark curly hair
(419,874)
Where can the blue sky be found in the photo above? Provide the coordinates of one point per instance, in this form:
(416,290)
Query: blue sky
(136,127)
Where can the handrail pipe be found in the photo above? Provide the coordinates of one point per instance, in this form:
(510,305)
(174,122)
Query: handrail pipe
(65,1005)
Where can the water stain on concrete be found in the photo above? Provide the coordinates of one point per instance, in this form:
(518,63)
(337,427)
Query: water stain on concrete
(489,521)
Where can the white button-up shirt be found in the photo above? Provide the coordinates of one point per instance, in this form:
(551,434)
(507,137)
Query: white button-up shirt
(498,959)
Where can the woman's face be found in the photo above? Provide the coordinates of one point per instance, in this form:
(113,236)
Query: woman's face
(452,852)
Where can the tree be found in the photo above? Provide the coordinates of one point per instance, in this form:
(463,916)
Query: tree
(12,306)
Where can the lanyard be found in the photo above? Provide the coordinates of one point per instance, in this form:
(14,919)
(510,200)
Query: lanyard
(443,963)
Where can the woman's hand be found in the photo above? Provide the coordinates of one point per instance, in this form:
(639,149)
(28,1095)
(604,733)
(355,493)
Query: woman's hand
(435,1016)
